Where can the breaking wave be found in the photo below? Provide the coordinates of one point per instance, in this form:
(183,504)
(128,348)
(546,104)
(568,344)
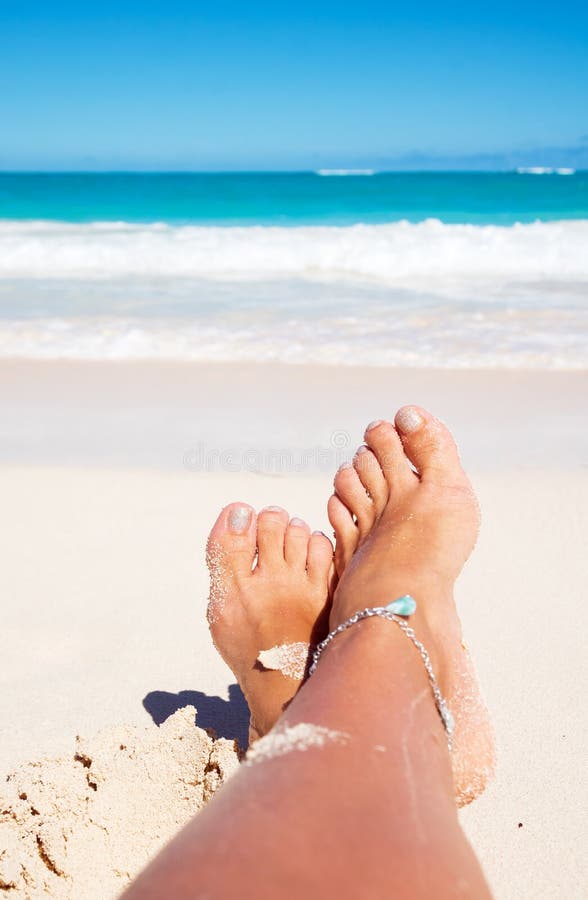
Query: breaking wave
(429,254)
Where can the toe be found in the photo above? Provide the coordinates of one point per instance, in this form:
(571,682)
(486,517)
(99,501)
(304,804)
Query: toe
(319,558)
(271,530)
(230,549)
(350,490)
(428,444)
(346,532)
(383,441)
(371,476)
(296,543)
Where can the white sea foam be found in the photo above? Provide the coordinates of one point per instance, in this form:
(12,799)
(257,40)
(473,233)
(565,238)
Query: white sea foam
(442,337)
(429,255)
(535,170)
(345,172)
(378,295)
(545,170)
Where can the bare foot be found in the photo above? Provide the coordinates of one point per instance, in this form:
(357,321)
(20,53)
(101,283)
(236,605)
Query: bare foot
(280,602)
(406,519)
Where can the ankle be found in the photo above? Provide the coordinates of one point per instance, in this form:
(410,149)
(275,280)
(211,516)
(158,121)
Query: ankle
(430,622)
(430,592)
(374,662)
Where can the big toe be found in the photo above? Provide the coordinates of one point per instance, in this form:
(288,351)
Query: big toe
(230,550)
(429,445)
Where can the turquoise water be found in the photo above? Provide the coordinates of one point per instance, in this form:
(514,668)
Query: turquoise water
(460,270)
(294,198)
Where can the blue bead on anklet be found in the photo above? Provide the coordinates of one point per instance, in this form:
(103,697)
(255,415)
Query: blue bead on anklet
(396,611)
(404,606)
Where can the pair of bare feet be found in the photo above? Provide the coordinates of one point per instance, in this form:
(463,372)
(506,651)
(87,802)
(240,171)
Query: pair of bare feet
(405,520)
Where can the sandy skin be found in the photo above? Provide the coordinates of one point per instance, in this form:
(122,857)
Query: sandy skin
(361,742)
(282,601)
(405,520)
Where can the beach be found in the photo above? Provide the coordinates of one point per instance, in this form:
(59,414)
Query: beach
(111,476)
(232,238)
(172,342)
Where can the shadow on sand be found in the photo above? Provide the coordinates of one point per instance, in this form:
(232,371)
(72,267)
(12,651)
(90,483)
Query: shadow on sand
(229,718)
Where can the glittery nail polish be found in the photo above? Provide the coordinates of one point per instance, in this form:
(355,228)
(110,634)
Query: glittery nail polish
(409,419)
(239,519)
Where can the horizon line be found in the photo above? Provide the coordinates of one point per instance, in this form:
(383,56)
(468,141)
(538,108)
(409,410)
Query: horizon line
(343,170)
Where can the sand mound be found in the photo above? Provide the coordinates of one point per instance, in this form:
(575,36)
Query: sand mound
(83,826)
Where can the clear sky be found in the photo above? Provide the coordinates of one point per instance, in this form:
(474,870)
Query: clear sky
(241,85)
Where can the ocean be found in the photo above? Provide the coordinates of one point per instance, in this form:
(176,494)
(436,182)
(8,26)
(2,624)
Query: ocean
(457,270)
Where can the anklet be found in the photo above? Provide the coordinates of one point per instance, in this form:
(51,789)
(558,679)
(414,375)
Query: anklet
(404,606)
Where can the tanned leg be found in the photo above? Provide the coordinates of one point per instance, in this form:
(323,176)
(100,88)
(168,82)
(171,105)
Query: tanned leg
(351,794)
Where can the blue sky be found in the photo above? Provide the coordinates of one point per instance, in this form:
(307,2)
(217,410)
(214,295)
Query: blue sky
(227,85)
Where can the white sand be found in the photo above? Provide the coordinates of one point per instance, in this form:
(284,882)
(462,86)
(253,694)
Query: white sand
(292,660)
(103,582)
(85,824)
(298,738)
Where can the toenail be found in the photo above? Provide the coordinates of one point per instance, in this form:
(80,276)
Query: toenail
(273,509)
(321,533)
(374,424)
(239,519)
(344,467)
(298,522)
(362,449)
(409,419)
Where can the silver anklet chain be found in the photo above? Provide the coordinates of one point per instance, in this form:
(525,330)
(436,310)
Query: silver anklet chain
(386,613)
